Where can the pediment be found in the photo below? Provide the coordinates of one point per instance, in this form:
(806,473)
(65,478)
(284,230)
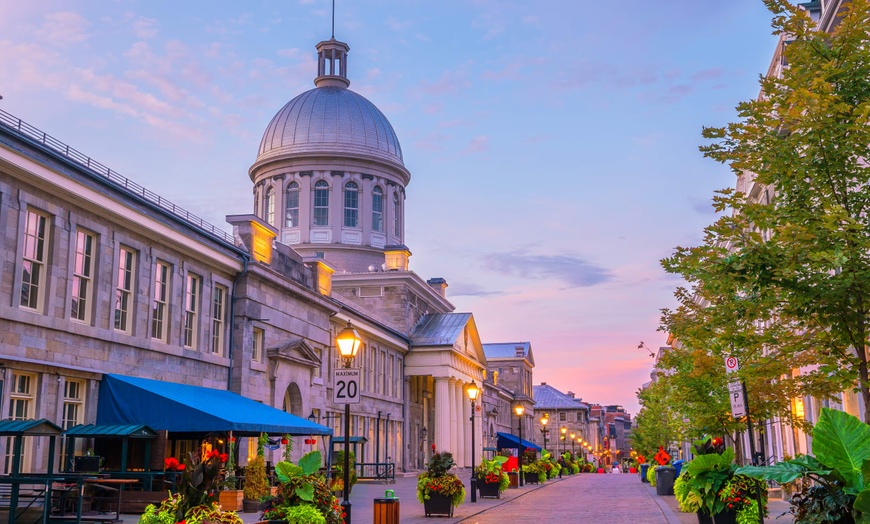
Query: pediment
(295,351)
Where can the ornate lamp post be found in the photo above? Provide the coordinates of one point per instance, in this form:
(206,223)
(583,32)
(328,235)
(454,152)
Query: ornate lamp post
(472,391)
(348,342)
(544,419)
(573,436)
(519,410)
(564,430)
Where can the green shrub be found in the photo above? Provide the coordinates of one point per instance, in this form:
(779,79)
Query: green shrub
(304,514)
(651,476)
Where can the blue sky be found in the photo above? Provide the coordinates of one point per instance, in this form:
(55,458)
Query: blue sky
(553,145)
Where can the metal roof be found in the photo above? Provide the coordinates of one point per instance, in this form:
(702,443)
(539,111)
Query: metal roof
(548,397)
(439,329)
(331,120)
(40,427)
(506,349)
(111,430)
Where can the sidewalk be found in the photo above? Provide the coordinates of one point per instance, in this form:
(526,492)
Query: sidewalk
(587,497)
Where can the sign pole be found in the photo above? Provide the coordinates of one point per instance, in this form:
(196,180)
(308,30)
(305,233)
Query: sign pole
(735,388)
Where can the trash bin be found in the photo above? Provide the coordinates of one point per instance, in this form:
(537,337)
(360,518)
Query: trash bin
(386,510)
(665,476)
(643,468)
(678,465)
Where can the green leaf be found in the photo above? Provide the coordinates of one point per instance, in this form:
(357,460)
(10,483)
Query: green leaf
(305,492)
(840,442)
(286,471)
(781,472)
(862,503)
(310,462)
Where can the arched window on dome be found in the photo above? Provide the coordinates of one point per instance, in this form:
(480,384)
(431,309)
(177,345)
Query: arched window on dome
(269,206)
(377,209)
(321,203)
(291,205)
(351,205)
(397,216)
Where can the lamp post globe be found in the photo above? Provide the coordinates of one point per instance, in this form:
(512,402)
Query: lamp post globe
(544,419)
(519,409)
(348,342)
(472,391)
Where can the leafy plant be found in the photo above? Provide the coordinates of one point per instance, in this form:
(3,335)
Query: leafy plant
(707,477)
(840,471)
(300,485)
(651,476)
(304,514)
(689,501)
(297,476)
(256,482)
(490,471)
(438,479)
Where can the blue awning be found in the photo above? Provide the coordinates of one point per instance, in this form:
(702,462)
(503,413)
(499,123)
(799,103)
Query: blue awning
(192,409)
(506,440)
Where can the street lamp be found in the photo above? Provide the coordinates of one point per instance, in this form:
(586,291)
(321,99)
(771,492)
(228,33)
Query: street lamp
(519,410)
(348,342)
(473,391)
(544,419)
(563,430)
(573,436)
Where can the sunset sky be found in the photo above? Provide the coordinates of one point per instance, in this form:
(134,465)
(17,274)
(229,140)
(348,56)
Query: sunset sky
(553,145)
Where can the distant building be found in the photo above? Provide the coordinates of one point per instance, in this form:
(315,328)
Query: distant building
(563,411)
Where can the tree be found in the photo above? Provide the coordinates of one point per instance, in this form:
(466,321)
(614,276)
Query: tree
(788,276)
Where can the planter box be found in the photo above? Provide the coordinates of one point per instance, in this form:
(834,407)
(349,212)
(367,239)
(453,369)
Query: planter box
(135,501)
(488,489)
(438,504)
(231,499)
(250,506)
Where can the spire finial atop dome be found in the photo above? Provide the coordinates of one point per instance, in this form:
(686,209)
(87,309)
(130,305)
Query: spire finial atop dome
(332,64)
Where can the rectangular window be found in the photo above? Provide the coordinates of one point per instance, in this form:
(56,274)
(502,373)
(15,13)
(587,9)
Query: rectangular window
(73,402)
(160,301)
(563,417)
(257,350)
(351,205)
(191,310)
(83,268)
(377,210)
(34,260)
(218,319)
(292,206)
(124,289)
(22,404)
(321,204)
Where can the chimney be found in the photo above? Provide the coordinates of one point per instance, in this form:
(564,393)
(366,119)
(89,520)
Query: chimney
(570,394)
(439,285)
(520,351)
(396,258)
(254,234)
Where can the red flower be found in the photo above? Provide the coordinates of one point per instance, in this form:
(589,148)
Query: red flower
(180,467)
(284,441)
(224,457)
(171,463)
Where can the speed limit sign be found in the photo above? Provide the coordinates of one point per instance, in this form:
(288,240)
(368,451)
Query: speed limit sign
(345,386)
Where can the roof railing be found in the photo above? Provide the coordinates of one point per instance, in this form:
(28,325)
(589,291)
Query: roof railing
(28,131)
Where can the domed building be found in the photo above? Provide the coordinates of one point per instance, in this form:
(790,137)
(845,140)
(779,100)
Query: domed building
(329,174)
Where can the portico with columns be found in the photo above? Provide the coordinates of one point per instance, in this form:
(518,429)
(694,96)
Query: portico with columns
(446,356)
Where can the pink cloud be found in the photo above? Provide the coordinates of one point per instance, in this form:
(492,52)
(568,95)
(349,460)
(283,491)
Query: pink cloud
(450,82)
(64,28)
(477,144)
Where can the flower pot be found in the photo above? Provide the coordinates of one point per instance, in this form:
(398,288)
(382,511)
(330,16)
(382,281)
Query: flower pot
(729,516)
(703,518)
(250,506)
(488,489)
(231,499)
(438,504)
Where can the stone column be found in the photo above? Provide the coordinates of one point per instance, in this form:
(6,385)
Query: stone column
(441,431)
(461,425)
(451,406)
(466,425)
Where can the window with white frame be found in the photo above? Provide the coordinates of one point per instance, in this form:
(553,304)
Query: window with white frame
(124,289)
(270,206)
(291,205)
(35,255)
(257,346)
(397,212)
(73,415)
(83,268)
(22,406)
(159,303)
(218,319)
(563,417)
(351,205)
(377,209)
(191,310)
(321,203)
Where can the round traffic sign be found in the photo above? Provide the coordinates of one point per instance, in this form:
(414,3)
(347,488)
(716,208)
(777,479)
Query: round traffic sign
(731,364)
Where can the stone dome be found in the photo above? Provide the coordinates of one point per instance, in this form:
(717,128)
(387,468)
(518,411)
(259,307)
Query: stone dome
(331,120)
